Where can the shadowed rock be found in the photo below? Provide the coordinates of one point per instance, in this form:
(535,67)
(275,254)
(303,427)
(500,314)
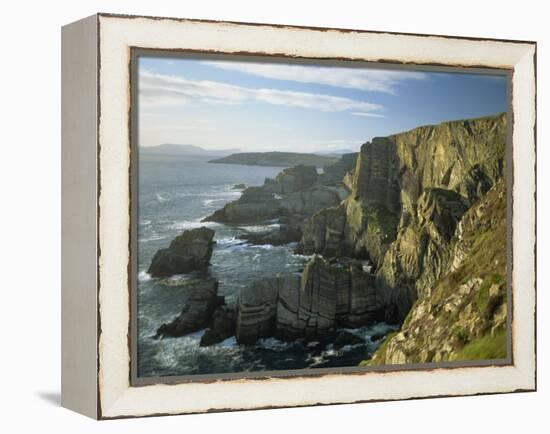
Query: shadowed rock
(222,326)
(256,205)
(283,235)
(201,298)
(337,172)
(190,251)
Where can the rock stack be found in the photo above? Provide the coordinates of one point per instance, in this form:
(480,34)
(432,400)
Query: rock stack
(311,305)
(188,252)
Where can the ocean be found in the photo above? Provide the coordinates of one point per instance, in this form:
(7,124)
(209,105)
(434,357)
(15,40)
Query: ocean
(175,193)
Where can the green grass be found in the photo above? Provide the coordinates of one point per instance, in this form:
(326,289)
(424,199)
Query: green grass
(482,297)
(485,348)
(380,351)
(381,220)
(462,336)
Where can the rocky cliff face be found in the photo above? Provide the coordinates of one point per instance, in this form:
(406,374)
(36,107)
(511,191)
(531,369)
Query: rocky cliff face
(295,195)
(413,234)
(408,191)
(461,315)
(311,305)
(336,173)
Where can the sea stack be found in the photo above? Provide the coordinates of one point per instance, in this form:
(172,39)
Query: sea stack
(188,252)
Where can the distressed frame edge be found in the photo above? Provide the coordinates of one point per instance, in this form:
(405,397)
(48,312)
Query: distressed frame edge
(528,388)
(304,27)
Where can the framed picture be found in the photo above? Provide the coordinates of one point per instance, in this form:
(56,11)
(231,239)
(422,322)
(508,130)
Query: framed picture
(262,216)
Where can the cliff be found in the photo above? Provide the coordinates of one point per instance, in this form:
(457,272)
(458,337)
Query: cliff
(462,315)
(411,231)
(408,193)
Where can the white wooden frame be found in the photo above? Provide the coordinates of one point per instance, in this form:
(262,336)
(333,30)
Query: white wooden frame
(96,215)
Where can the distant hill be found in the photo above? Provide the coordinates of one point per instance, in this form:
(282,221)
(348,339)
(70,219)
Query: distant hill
(186,150)
(277,159)
(336,152)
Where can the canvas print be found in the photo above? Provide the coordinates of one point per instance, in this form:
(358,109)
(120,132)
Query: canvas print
(300,216)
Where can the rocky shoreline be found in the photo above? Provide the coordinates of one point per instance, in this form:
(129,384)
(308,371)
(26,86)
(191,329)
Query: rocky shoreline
(385,229)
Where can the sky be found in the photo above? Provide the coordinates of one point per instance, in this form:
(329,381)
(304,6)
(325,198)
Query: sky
(263,106)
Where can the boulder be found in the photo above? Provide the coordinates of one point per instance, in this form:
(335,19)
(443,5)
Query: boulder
(201,298)
(188,252)
(241,186)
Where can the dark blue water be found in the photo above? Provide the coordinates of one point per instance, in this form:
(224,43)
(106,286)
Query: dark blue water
(174,195)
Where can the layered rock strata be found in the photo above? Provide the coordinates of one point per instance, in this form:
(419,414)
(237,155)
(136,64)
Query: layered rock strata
(462,315)
(408,191)
(311,305)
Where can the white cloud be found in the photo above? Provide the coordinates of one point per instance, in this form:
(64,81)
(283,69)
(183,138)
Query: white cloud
(165,90)
(375,80)
(371,115)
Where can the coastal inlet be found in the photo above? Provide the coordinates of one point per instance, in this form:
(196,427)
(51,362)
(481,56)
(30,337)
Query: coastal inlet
(174,196)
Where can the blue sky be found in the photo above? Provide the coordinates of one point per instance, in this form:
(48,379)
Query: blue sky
(222,104)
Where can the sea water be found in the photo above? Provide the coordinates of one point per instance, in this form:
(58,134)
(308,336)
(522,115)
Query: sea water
(174,195)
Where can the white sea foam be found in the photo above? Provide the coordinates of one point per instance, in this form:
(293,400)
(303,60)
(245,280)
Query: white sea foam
(273,344)
(154,237)
(190,224)
(143,276)
(221,194)
(265,246)
(367,267)
(261,228)
(229,342)
(229,241)
(299,256)
(208,202)
(179,278)
(236,247)
(162,198)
